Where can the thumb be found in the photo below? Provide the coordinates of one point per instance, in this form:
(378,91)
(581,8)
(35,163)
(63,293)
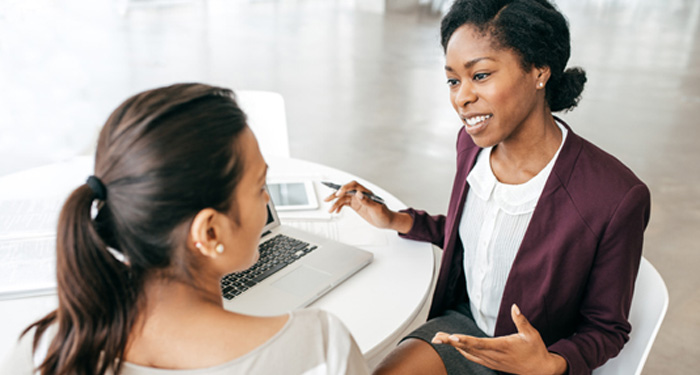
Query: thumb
(521,323)
(359,198)
(364,200)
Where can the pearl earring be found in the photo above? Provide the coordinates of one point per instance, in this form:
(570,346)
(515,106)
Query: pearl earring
(198,245)
(540,85)
(220,248)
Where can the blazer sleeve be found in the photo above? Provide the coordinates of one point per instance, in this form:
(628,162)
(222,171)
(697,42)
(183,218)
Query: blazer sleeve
(426,228)
(604,327)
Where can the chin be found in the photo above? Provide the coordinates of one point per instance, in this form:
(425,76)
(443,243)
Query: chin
(484,142)
(255,258)
(250,263)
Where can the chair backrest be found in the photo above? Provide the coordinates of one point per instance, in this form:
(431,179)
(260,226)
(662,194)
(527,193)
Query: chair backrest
(267,118)
(649,305)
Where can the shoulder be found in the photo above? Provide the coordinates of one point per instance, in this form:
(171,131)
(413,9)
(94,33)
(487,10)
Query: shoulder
(306,345)
(343,355)
(597,182)
(323,336)
(594,169)
(583,164)
(320,321)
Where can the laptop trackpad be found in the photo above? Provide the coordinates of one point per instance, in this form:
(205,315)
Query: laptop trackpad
(302,280)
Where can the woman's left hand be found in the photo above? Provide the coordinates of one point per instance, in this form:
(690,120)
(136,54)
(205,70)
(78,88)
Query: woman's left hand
(520,353)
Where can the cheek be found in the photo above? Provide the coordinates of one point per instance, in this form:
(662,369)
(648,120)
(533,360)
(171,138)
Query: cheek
(495,94)
(506,100)
(523,90)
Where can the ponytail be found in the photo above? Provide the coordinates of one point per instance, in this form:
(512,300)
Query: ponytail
(96,300)
(154,155)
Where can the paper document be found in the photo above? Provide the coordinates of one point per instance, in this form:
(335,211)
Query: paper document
(27,218)
(28,246)
(27,267)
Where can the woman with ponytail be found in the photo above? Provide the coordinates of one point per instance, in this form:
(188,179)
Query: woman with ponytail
(543,235)
(177,201)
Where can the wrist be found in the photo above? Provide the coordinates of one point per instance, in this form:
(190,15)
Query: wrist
(557,364)
(400,222)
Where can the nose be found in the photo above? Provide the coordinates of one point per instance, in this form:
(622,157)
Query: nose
(465,94)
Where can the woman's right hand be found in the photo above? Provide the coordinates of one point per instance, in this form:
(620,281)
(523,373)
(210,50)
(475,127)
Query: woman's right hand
(375,213)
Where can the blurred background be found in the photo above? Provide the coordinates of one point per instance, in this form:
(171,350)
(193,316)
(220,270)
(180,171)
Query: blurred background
(365,92)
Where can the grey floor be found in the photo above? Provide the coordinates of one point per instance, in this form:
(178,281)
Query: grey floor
(365,92)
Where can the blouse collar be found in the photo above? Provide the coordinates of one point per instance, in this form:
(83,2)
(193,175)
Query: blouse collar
(513,199)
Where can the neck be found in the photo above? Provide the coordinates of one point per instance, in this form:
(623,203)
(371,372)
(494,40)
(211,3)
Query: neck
(520,157)
(180,326)
(170,293)
(165,298)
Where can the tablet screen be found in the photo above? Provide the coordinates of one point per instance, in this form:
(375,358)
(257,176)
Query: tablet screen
(288,194)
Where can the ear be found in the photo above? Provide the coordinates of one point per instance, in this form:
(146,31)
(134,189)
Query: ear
(205,232)
(542,75)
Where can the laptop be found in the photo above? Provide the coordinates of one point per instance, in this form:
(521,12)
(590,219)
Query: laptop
(295,268)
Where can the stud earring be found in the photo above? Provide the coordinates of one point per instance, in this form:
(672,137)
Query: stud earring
(540,85)
(198,245)
(220,248)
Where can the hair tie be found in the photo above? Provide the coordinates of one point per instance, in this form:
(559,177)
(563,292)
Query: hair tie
(97,187)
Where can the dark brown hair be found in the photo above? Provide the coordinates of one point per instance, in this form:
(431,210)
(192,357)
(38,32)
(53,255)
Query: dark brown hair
(163,155)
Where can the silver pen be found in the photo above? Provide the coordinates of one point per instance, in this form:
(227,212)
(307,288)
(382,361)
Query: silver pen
(368,195)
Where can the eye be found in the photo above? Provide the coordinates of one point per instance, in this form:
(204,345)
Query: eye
(452,82)
(480,76)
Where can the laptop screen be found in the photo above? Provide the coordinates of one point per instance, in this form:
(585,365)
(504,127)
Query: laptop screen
(272,220)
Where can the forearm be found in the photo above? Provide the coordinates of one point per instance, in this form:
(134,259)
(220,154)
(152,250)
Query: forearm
(420,226)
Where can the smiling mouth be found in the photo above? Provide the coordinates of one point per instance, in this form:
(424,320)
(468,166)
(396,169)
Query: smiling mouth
(476,120)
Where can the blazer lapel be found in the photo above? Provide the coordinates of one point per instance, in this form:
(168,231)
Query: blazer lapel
(519,288)
(447,288)
(466,158)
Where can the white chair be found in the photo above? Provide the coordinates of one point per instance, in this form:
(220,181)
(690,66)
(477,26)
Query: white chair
(649,305)
(267,118)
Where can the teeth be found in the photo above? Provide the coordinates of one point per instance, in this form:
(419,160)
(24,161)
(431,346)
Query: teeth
(477,119)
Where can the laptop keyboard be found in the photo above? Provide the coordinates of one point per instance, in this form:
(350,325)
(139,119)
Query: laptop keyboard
(275,254)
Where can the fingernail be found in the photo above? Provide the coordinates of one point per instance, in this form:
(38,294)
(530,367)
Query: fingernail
(454,338)
(516,310)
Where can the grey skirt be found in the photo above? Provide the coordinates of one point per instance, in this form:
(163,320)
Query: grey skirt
(459,321)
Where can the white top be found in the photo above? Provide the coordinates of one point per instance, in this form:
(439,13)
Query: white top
(313,342)
(494,221)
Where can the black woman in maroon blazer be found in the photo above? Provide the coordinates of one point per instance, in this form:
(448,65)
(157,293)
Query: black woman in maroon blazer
(545,289)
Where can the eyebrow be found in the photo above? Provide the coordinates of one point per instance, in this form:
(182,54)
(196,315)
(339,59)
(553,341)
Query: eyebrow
(469,64)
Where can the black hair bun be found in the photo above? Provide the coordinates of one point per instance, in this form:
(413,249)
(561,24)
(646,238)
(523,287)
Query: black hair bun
(564,93)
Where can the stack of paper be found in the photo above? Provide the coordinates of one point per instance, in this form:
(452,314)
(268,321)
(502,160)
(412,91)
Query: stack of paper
(28,246)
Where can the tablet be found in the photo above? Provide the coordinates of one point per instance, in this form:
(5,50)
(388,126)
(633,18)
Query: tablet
(293,195)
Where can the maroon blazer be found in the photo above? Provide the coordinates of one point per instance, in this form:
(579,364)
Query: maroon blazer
(574,273)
